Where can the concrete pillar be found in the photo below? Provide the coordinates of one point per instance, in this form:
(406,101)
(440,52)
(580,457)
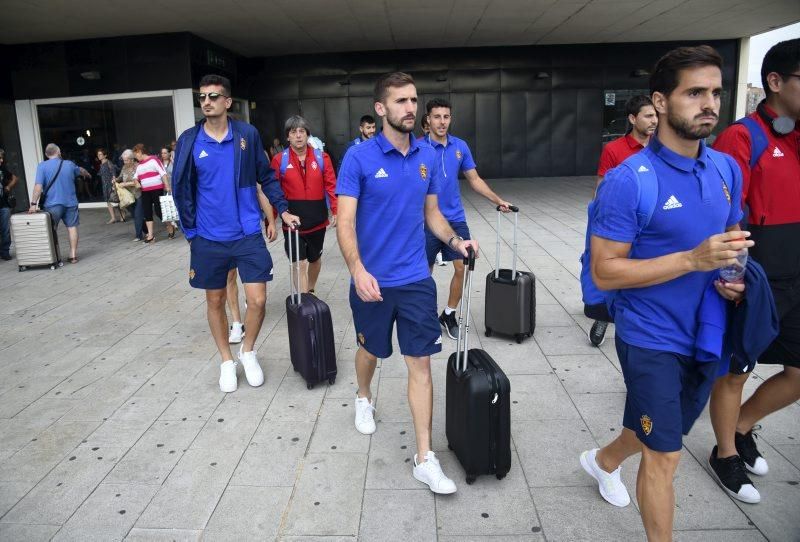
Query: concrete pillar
(740,92)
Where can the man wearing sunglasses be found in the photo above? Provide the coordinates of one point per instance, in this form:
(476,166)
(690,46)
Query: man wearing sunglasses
(218,163)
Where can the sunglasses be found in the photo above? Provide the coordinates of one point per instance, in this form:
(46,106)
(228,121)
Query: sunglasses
(213,96)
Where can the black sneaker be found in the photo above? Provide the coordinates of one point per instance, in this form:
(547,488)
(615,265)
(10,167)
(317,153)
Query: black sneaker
(597,335)
(450,324)
(731,474)
(748,451)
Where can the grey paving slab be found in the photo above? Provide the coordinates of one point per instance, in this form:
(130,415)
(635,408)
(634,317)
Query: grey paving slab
(723,535)
(502,538)
(108,513)
(391,457)
(576,513)
(335,430)
(561,341)
(11,493)
(540,397)
(274,454)
(164,535)
(602,413)
(328,496)
(777,515)
(398,515)
(487,507)
(28,533)
(535,441)
(191,492)
(62,491)
(248,513)
(587,374)
(156,453)
(294,402)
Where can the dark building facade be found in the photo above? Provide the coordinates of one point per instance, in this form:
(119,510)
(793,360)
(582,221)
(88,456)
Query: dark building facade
(525,111)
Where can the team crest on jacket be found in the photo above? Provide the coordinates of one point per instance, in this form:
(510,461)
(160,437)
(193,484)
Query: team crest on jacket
(726,192)
(423,171)
(243,144)
(459,156)
(314,165)
(647,424)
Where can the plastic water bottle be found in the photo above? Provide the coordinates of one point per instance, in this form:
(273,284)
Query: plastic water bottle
(735,272)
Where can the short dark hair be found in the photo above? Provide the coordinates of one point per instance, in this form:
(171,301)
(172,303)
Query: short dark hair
(213,79)
(423,121)
(436,102)
(635,104)
(140,147)
(388,80)
(782,58)
(366,119)
(664,78)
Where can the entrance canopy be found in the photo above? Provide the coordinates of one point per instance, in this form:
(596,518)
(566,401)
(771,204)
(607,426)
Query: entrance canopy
(256,28)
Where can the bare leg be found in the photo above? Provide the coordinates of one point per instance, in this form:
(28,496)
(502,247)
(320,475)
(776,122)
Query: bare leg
(778,391)
(420,399)
(656,493)
(151,233)
(73,241)
(232,290)
(256,295)
(313,273)
(365,370)
(611,456)
(112,216)
(456,284)
(726,396)
(218,322)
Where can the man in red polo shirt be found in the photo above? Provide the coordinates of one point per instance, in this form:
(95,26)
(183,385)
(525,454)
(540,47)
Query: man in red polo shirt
(305,181)
(771,191)
(643,122)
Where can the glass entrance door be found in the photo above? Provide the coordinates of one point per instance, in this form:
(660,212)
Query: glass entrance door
(81,128)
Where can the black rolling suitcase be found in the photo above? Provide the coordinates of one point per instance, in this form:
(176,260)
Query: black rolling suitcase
(510,306)
(478,410)
(311,344)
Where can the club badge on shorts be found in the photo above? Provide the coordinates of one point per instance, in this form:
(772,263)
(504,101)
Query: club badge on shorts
(726,192)
(243,144)
(361,339)
(423,171)
(647,424)
(191,274)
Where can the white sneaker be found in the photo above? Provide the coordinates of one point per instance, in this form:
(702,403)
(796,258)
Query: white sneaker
(237,333)
(365,419)
(610,484)
(227,376)
(252,370)
(439,260)
(430,473)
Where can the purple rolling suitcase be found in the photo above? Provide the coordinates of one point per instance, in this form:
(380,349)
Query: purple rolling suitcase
(311,345)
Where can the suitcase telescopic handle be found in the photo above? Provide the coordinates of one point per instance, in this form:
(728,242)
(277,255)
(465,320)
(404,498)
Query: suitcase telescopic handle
(512,208)
(515,210)
(463,321)
(294,231)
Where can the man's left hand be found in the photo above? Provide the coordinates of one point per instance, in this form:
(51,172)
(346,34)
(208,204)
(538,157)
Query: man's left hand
(462,245)
(731,291)
(272,233)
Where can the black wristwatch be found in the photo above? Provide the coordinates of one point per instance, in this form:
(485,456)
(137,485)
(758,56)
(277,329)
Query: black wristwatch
(450,242)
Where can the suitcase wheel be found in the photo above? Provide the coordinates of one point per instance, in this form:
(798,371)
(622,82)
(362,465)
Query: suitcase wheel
(449,446)
(52,267)
(471,479)
(332,380)
(309,386)
(500,476)
(519,337)
(488,332)
(61,264)
(21,268)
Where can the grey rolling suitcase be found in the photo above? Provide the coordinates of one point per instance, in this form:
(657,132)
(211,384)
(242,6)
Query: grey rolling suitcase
(35,240)
(510,295)
(311,341)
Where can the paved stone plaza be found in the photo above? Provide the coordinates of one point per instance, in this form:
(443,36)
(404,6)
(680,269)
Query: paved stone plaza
(112,425)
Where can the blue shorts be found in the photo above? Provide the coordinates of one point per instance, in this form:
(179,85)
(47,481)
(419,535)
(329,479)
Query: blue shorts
(433,244)
(667,392)
(412,306)
(68,214)
(211,261)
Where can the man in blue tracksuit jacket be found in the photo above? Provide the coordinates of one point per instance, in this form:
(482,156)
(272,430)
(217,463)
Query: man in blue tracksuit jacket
(217,165)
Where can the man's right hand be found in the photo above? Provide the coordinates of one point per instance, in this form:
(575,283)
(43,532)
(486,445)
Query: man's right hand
(32,209)
(719,250)
(366,286)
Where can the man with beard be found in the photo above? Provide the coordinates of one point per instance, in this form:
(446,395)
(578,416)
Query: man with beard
(387,190)
(366,127)
(772,194)
(662,270)
(643,121)
(217,165)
